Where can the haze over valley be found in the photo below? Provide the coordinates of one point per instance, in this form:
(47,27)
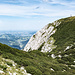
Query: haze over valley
(15,39)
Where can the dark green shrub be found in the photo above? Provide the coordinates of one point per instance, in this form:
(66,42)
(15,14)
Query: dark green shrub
(62,73)
(61,61)
(33,70)
(26,63)
(34,36)
(0,52)
(9,63)
(4,67)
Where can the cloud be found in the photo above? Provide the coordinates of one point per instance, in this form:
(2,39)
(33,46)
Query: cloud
(38,9)
(15,10)
(70,3)
(13,1)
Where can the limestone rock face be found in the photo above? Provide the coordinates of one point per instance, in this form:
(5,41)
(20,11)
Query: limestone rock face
(42,40)
(11,68)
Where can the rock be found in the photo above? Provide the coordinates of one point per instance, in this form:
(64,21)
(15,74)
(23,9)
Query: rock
(42,40)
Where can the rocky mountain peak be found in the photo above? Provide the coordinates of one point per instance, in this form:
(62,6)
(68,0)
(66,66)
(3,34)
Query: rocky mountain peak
(44,40)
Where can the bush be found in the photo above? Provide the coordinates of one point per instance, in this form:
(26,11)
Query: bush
(26,63)
(3,66)
(9,63)
(62,73)
(33,70)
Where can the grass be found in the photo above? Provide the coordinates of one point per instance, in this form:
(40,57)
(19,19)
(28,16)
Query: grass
(35,62)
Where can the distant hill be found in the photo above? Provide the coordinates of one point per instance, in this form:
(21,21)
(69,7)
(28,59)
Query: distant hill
(15,39)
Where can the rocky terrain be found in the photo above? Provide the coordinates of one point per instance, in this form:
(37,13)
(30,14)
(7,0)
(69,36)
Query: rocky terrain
(9,67)
(46,38)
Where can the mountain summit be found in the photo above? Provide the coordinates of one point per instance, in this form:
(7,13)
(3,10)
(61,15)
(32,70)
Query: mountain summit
(59,35)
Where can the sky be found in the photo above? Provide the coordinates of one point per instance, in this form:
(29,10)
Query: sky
(33,14)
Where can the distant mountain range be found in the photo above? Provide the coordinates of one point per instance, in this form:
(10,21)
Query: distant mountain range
(15,39)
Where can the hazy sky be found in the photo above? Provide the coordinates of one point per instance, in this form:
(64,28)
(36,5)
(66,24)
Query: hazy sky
(33,14)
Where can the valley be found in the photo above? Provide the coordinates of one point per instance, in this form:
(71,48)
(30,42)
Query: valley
(15,39)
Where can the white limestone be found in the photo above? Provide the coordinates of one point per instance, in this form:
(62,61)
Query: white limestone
(1,71)
(59,51)
(63,70)
(56,23)
(53,56)
(42,38)
(59,56)
(73,65)
(68,47)
(52,69)
(65,55)
(11,70)
(15,73)
(22,68)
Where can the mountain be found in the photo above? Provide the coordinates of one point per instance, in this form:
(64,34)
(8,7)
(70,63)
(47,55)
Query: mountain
(57,35)
(51,51)
(15,39)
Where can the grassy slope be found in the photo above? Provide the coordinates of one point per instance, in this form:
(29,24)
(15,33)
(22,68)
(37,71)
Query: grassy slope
(65,34)
(35,62)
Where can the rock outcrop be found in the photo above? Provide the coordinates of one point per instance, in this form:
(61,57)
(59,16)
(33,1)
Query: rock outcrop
(9,67)
(42,40)
(57,35)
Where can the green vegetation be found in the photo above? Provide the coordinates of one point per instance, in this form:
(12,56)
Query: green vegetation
(65,37)
(7,69)
(35,62)
(65,34)
(34,35)
(41,46)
